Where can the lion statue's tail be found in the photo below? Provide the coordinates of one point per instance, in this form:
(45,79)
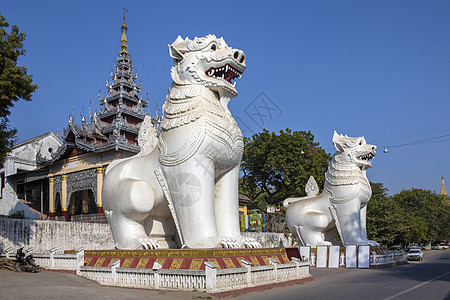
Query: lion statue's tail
(311,189)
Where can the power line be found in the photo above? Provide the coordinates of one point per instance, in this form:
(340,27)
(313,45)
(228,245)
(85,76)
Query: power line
(420,141)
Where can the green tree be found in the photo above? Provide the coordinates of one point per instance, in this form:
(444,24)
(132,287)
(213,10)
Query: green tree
(386,221)
(15,83)
(427,212)
(276,167)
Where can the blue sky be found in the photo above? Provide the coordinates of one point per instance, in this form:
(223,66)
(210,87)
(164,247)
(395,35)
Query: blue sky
(375,68)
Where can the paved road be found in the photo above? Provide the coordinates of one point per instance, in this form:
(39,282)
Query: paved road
(428,279)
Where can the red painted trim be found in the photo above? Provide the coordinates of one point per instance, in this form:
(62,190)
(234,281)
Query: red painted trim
(65,214)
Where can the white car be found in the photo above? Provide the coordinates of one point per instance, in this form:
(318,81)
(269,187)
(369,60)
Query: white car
(415,254)
(440,246)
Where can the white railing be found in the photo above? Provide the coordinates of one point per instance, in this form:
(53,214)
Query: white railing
(388,258)
(211,279)
(56,261)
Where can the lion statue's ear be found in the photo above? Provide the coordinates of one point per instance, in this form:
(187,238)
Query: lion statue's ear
(174,49)
(337,142)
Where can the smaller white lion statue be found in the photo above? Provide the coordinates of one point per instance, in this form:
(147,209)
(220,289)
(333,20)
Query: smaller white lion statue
(341,207)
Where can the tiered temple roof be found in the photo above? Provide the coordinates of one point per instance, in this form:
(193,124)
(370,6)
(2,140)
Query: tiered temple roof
(116,125)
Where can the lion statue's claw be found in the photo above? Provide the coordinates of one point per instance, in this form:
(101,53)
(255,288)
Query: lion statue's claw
(148,243)
(251,243)
(229,243)
(373,243)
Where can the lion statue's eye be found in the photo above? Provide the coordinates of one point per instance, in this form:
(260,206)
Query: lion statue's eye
(213,47)
(360,143)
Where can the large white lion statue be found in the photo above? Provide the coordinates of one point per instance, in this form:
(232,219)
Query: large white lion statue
(189,182)
(341,207)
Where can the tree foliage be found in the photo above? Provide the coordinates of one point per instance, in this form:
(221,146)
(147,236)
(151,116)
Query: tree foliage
(414,215)
(15,83)
(428,212)
(385,220)
(277,166)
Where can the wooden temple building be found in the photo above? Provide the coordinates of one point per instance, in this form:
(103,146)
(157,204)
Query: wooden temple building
(63,176)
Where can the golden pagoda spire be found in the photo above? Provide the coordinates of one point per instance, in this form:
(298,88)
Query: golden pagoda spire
(443,192)
(123,40)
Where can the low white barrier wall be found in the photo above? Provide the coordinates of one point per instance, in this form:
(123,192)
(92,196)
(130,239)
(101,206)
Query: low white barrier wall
(210,280)
(351,259)
(387,259)
(56,261)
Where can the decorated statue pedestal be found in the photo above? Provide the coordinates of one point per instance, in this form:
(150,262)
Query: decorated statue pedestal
(182,259)
(215,271)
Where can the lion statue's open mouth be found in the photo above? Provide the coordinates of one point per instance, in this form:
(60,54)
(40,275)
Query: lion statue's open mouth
(226,72)
(367,157)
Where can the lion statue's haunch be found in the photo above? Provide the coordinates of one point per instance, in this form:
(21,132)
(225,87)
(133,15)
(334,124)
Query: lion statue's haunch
(341,206)
(189,182)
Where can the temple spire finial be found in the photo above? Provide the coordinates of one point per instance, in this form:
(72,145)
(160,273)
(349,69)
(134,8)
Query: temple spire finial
(123,40)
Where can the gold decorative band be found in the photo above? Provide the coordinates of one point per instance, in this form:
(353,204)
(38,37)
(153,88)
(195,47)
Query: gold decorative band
(184,252)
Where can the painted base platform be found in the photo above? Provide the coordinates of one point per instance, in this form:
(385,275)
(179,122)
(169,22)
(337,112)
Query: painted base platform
(184,259)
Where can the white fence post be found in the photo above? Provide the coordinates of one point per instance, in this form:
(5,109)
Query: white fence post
(313,259)
(80,259)
(114,265)
(248,265)
(274,262)
(8,251)
(342,262)
(52,258)
(156,267)
(211,276)
(297,265)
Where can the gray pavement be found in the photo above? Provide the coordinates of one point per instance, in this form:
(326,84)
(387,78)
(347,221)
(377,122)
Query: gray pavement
(56,285)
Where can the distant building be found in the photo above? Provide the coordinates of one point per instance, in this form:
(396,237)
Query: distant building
(48,177)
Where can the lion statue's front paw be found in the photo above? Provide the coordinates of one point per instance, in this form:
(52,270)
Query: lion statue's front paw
(250,243)
(148,243)
(229,243)
(373,243)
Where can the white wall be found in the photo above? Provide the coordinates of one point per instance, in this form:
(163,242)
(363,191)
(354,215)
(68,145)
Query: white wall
(45,235)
